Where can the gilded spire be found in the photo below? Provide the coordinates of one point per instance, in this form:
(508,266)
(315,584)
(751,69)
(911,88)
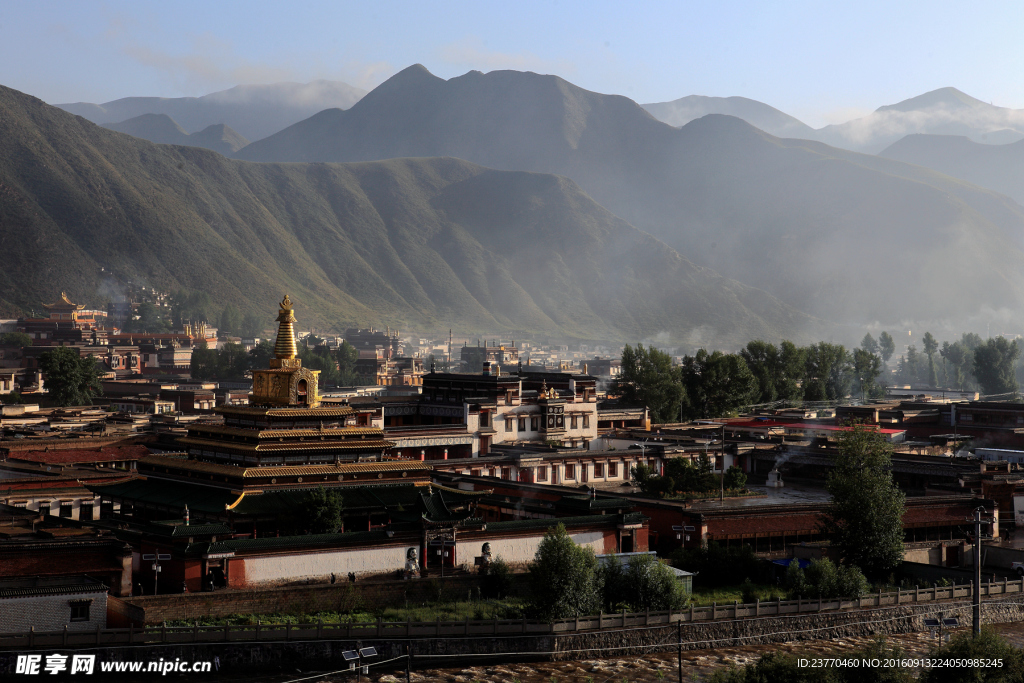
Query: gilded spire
(284,347)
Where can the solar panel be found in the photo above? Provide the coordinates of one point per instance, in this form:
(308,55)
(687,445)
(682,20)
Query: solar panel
(367,652)
(953,621)
(349,655)
(933,623)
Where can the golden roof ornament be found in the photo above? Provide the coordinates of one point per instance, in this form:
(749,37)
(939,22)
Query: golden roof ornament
(284,347)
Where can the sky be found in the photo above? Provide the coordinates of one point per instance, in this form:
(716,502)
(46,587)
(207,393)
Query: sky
(823,62)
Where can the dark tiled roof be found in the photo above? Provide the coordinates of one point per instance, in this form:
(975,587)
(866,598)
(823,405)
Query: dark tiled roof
(81,455)
(168,493)
(62,585)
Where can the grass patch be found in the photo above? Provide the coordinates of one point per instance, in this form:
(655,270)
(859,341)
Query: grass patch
(477,610)
(729,594)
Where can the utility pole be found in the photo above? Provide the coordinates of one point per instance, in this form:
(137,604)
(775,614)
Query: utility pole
(976,592)
(679,631)
(721,493)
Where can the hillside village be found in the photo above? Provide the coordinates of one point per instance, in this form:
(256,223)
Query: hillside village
(445,458)
(550,358)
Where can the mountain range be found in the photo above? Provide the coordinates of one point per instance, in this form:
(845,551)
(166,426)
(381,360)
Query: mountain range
(945,111)
(162,129)
(255,111)
(769,119)
(849,237)
(997,167)
(428,243)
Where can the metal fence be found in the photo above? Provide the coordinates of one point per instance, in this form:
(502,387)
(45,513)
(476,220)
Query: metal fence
(494,627)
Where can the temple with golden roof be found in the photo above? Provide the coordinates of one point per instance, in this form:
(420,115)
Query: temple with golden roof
(284,440)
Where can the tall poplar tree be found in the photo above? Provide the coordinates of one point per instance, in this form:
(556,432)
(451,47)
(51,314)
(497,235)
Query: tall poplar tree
(864,519)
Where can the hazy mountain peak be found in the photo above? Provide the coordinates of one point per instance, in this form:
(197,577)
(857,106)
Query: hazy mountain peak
(162,129)
(254,110)
(769,119)
(949,98)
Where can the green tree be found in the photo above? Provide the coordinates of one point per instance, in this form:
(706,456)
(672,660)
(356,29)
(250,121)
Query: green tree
(651,585)
(648,379)
(777,370)
(321,511)
(994,366)
(230,320)
(564,579)
(829,372)
(260,355)
(886,346)
(909,367)
(347,355)
(13,398)
(252,326)
(869,344)
(930,346)
(643,477)
(323,360)
(70,380)
(735,479)
(960,358)
(19,339)
(716,384)
(232,361)
(988,646)
(193,307)
(824,579)
(204,363)
(866,369)
(864,519)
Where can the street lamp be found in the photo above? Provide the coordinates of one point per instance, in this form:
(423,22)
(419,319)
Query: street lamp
(157,558)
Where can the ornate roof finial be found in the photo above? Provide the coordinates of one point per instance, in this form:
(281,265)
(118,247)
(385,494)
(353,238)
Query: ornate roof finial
(284,347)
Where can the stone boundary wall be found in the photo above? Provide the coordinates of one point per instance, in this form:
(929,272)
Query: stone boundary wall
(454,651)
(775,629)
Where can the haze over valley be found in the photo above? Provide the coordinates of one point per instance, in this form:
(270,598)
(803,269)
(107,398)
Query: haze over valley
(515,199)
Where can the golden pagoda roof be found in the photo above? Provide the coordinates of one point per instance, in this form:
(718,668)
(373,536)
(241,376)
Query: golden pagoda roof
(339,411)
(287,470)
(284,346)
(333,432)
(345,445)
(65,303)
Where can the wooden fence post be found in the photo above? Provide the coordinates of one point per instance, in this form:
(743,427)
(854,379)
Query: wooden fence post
(757,607)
